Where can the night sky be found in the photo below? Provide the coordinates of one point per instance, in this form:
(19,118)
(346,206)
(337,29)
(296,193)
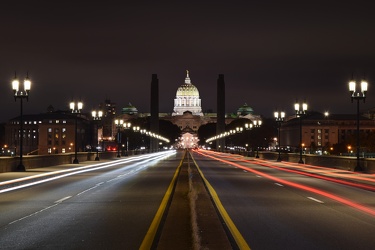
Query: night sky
(271,53)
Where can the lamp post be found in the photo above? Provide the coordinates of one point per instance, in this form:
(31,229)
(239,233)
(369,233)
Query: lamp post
(97,116)
(248,126)
(257,124)
(21,94)
(300,112)
(358,95)
(127,126)
(238,130)
(76,109)
(279,116)
(119,123)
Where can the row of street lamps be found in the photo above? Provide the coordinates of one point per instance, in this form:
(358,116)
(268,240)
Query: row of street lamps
(248,126)
(121,124)
(22,92)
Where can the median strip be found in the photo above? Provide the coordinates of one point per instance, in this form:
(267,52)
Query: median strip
(151,233)
(237,236)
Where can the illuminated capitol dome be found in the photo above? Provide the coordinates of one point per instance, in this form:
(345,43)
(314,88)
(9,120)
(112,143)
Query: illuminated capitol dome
(187,99)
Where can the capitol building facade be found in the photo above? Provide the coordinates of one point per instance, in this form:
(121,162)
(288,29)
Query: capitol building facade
(187,114)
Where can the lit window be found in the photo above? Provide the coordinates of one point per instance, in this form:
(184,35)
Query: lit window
(57,121)
(49,130)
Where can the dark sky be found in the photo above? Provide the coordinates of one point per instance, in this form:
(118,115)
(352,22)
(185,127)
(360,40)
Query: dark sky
(271,52)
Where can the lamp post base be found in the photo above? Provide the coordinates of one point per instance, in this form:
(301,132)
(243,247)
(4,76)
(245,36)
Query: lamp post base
(279,159)
(21,168)
(75,161)
(97,158)
(300,161)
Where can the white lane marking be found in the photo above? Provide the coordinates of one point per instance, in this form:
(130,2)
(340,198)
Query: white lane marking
(258,176)
(91,188)
(63,199)
(245,171)
(316,200)
(278,184)
(27,216)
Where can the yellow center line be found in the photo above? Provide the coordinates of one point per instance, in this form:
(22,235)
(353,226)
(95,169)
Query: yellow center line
(150,235)
(240,241)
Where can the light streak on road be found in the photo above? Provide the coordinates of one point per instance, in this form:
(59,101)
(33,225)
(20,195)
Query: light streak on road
(300,186)
(324,173)
(78,170)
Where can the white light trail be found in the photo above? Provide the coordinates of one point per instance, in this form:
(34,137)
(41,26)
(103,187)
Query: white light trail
(78,170)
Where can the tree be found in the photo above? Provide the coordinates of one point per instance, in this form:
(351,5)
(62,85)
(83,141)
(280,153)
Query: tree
(206,131)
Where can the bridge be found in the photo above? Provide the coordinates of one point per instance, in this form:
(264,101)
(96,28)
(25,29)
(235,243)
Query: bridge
(194,199)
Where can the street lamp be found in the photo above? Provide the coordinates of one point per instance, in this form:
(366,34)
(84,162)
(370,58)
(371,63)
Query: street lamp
(257,124)
(248,126)
(76,108)
(358,95)
(127,126)
(279,116)
(119,123)
(300,112)
(97,116)
(21,94)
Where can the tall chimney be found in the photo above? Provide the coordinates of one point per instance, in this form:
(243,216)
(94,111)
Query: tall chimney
(220,123)
(154,122)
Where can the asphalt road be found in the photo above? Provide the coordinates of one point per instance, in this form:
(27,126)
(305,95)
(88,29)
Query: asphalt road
(109,208)
(113,206)
(274,209)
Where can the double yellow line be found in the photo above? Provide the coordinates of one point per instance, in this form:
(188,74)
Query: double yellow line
(237,236)
(150,235)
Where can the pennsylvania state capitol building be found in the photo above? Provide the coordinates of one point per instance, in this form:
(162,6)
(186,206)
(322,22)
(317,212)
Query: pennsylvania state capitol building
(187,113)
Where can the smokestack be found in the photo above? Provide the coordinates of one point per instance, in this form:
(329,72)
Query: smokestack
(220,123)
(154,122)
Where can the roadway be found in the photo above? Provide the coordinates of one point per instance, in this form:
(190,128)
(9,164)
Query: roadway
(274,208)
(108,208)
(111,205)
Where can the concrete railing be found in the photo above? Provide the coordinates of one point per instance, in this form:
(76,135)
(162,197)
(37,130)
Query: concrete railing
(331,161)
(9,164)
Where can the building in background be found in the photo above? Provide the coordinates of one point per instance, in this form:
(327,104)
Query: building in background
(49,133)
(321,132)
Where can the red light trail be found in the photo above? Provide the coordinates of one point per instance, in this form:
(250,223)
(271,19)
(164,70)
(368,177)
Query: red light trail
(295,185)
